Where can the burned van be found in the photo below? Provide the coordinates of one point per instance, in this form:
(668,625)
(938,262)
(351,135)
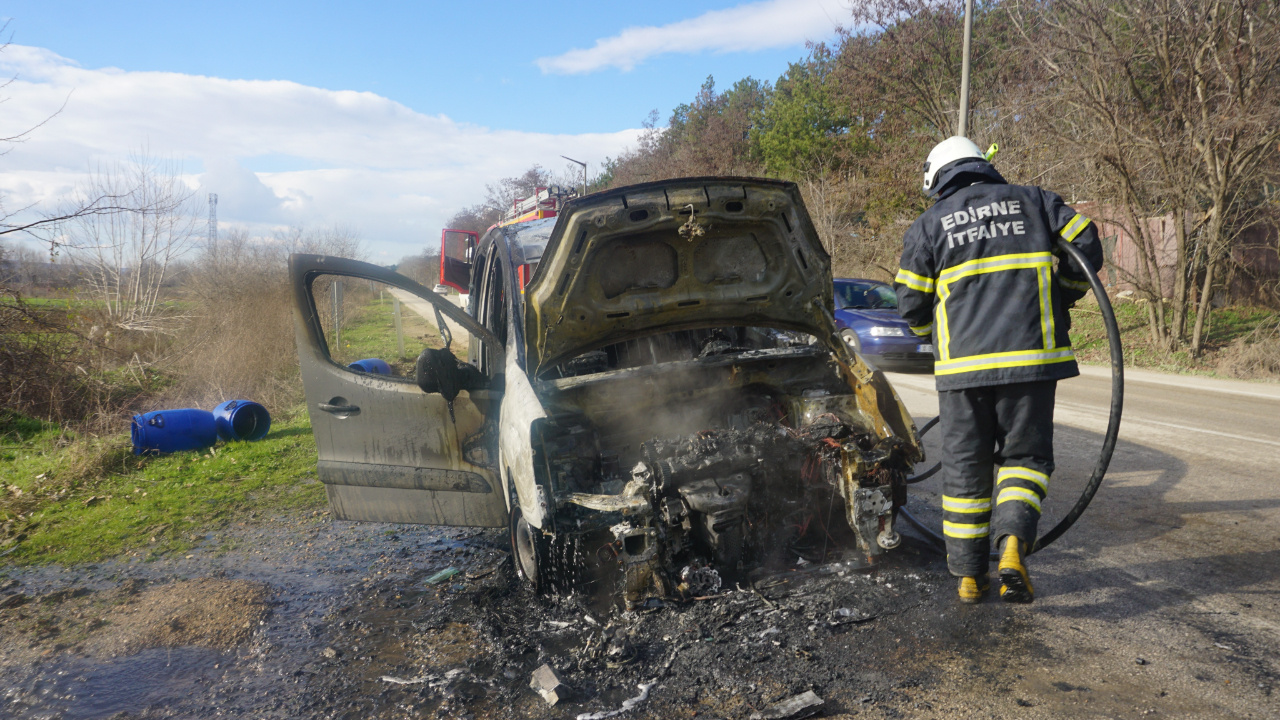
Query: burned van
(654,397)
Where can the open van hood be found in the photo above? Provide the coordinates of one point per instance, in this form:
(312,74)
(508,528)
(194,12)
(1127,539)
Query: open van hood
(676,255)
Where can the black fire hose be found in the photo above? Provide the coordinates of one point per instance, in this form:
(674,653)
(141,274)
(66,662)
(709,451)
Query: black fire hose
(1113,424)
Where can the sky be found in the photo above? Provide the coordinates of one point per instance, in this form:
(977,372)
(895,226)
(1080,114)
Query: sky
(384,117)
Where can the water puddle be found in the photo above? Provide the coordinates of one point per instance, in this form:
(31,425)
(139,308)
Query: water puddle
(85,689)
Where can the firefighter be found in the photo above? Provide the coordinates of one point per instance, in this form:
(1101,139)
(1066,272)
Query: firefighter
(978,276)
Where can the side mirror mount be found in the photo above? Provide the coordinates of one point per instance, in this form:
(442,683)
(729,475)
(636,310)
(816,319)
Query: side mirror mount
(439,371)
(457,250)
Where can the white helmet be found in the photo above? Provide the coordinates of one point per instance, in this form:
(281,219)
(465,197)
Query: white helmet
(946,152)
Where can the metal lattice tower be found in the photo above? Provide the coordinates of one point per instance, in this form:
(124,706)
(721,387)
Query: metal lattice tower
(213,222)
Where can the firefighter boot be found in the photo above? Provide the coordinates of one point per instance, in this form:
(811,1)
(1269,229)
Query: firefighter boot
(1015,583)
(973,589)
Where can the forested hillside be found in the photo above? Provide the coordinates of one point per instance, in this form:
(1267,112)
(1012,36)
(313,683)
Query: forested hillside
(1149,108)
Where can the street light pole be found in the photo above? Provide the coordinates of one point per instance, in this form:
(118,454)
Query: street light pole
(584,171)
(964,70)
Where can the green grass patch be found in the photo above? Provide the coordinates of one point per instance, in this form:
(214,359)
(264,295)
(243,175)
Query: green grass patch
(18,430)
(76,499)
(69,304)
(371,333)
(24,444)
(1224,327)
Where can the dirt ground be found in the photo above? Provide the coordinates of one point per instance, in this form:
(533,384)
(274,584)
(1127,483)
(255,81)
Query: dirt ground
(305,617)
(1163,601)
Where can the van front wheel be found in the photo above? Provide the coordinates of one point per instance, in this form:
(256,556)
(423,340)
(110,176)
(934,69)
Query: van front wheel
(528,550)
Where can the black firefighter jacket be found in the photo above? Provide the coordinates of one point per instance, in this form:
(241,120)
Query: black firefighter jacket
(977,273)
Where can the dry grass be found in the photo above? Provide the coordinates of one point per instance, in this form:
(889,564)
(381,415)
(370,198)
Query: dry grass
(56,365)
(240,340)
(1253,357)
(227,332)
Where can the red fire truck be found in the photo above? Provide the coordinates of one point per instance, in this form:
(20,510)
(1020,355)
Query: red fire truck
(458,246)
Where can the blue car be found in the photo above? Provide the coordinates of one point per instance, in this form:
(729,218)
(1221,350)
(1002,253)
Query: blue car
(867,315)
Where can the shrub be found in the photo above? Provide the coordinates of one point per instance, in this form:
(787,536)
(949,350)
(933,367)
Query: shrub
(1255,356)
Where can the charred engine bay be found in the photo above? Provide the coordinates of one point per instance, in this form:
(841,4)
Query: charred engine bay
(675,479)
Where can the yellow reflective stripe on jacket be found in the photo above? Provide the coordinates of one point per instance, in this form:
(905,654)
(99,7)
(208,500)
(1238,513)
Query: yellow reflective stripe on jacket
(1075,227)
(914,281)
(966,505)
(1021,494)
(922,331)
(1044,276)
(966,530)
(991,361)
(1081,285)
(998,262)
(1014,261)
(940,322)
(1023,473)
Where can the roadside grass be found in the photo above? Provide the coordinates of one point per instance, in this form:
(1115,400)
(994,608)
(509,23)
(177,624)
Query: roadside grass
(1227,328)
(371,333)
(72,304)
(67,499)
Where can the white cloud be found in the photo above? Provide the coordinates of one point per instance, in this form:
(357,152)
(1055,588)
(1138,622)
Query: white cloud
(370,163)
(755,26)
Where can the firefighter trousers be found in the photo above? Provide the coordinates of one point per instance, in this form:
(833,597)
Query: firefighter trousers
(1006,425)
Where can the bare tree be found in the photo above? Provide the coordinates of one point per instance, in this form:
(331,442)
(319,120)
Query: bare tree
(25,219)
(338,240)
(476,218)
(1177,102)
(127,255)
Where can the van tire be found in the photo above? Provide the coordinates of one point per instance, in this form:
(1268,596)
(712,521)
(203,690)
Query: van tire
(528,551)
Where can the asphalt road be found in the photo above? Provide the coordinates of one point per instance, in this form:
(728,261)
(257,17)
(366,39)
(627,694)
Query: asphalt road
(427,312)
(1162,600)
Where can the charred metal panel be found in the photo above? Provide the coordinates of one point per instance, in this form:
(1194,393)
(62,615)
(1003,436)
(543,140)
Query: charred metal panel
(635,263)
(397,505)
(726,196)
(404,477)
(520,409)
(651,197)
(395,425)
(569,312)
(680,197)
(729,259)
(676,383)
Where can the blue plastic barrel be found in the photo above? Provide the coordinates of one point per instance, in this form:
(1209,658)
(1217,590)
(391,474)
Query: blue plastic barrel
(166,431)
(241,420)
(375,366)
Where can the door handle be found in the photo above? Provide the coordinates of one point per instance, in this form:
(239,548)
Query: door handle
(339,409)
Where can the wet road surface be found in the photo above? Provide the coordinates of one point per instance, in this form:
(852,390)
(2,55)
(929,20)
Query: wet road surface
(1177,561)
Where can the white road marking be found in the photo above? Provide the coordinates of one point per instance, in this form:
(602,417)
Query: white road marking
(1086,417)
(1127,421)
(1187,382)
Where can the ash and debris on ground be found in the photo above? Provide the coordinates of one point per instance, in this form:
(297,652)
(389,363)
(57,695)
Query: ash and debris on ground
(311,618)
(377,621)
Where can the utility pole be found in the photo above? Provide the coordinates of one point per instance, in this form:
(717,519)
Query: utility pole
(964,70)
(213,224)
(584,171)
